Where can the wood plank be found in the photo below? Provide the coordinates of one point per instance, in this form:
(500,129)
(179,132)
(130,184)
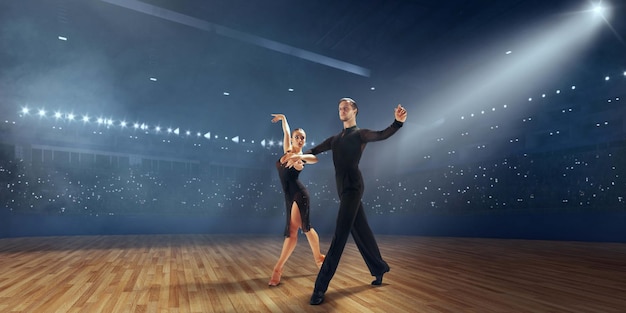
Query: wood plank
(229,273)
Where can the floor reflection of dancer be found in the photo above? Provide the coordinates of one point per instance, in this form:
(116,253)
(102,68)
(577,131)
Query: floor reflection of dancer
(347,148)
(296,198)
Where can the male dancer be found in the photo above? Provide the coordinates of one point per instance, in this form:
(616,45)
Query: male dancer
(347,148)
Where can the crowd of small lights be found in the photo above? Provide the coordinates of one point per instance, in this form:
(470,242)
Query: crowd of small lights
(586,180)
(568,180)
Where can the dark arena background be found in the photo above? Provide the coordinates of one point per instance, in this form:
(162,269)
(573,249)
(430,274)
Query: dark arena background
(145,124)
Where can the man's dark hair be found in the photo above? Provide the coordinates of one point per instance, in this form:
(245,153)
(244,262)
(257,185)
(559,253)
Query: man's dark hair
(354,105)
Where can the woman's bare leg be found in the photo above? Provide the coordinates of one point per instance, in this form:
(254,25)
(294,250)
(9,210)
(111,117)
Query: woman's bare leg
(288,245)
(314,242)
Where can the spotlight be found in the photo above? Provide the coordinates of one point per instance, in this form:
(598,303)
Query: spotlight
(598,9)
(26,110)
(42,113)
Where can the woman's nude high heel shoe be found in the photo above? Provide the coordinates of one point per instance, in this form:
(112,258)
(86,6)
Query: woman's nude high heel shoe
(320,261)
(275,279)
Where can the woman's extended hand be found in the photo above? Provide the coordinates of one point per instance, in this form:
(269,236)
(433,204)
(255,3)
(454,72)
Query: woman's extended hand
(295,161)
(278,117)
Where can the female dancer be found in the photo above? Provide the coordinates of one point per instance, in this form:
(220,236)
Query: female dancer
(296,198)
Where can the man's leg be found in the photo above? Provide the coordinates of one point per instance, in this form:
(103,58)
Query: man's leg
(345,218)
(365,241)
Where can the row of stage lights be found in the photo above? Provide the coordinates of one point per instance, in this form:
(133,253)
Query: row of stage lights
(527,119)
(530,99)
(107,122)
(493,109)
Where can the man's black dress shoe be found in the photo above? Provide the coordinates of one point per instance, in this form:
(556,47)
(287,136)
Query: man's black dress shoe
(317,298)
(379,278)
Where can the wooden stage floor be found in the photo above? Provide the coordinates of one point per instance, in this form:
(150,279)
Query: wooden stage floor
(229,273)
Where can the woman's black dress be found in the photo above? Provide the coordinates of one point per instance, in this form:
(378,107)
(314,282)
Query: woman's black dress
(294,190)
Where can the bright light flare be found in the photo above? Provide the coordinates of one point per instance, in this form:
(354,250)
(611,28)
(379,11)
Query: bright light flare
(543,51)
(603,12)
(598,9)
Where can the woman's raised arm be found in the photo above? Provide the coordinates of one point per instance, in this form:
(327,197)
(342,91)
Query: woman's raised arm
(286,131)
